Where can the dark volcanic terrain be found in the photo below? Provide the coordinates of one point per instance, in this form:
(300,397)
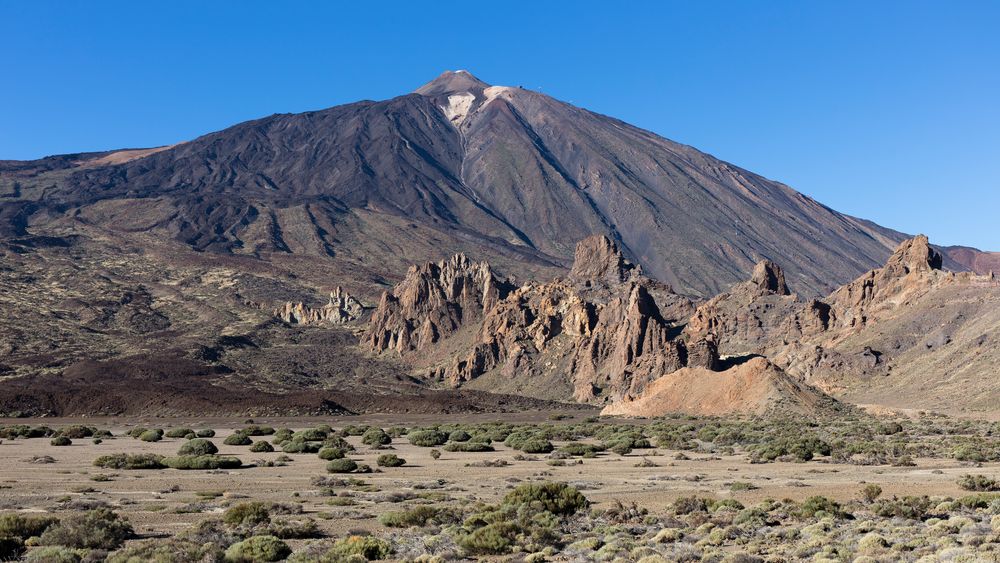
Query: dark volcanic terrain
(254,270)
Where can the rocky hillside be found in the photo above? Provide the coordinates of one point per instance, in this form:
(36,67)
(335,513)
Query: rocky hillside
(608,335)
(502,173)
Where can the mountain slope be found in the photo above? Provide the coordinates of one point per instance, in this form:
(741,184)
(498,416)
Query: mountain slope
(505,174)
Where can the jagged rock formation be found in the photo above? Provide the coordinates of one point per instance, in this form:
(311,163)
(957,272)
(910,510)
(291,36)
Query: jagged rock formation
(432,302)
(600,333)
(742,319)
(340,309)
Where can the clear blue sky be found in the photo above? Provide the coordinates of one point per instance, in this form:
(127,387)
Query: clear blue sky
(884,110)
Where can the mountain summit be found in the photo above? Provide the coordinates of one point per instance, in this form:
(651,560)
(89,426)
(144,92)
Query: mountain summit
(500,173)
(451,82)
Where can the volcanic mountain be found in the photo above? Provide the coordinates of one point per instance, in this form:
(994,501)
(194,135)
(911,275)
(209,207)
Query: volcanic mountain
(502,173)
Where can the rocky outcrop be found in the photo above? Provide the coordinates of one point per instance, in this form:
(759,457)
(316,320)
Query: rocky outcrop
(340,309)
(598,259)
(744,319)
(910,270)
(433,301)
(600,332)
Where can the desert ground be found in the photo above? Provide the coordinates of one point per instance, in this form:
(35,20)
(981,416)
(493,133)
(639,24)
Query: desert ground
(681,488)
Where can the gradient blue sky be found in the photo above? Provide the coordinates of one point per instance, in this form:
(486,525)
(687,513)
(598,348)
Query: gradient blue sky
(884,110)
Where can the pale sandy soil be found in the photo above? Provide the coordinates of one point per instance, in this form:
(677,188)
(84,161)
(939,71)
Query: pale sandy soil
(149,500)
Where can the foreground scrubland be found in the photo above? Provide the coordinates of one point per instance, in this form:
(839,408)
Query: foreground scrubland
(566,489)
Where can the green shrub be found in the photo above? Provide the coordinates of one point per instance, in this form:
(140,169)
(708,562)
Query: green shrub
(427,438)
(151,436)
(130,461)
(198,462)
(978,483)
(198,446)
(557,498)
(870,492)
(170,551)
(914,508)
(61,441)
(417,516)
(76,432)
(389,460)
(375,437)
(354,548)
(178,432)
(257,430)
(94,529)
(300,447)
(257,549)
(137,431)
(329,453)
(281,436)
(247,514)
(435,454)
(819,506)
(237,439)
(580,449)
(536,446)
(468,447)
(341,466)
(310,435)
(205,433)
(53,554)
(23,526)
(261,446)
(491,539)
(459,436)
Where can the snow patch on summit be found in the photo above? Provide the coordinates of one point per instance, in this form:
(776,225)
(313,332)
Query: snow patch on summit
(458,107)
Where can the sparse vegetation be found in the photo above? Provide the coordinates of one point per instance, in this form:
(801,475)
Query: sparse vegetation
(390,460)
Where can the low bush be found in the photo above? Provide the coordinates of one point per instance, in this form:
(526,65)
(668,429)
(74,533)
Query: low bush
(151,435)
(459,436)
(375,437)
(417,516)
(581,450)
(94,529)
(261,446)
(390,460)
(178,432)
(200,462)
(329,453)
(24,526)
(468,447)
(536,446)
(54,554)
(257,549)
(237,439)
(130,461)
(427,438)
(341,466)
(198,446)
(170,551)
(61,441)
(258,430)
(349,549)
(205,433)
(77,432)
(978,483)
(247,514)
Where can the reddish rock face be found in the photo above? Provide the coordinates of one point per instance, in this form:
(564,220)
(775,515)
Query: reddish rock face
(602,325)
(433,301)
(340,309)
